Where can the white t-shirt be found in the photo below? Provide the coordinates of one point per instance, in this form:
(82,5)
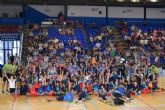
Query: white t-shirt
(91,39)
(46,58)
(98,45)
(12,83)
(87,77)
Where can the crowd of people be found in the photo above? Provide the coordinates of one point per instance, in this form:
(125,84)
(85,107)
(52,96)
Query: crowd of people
(152,40)
(81,73)
(100,37)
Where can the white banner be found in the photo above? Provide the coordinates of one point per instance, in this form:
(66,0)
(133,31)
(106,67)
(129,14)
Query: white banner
(125,12)
(49,10)
(86,11)
(155,13)
(10,10)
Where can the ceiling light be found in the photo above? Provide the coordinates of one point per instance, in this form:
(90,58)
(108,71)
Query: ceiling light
(120,0)
(135,0)
(154,0)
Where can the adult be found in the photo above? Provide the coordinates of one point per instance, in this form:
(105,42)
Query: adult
(9,70)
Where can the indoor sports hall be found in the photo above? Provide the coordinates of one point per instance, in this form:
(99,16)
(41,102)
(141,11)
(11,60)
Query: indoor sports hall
(82,55)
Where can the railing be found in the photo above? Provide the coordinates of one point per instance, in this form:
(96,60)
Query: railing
(21,46)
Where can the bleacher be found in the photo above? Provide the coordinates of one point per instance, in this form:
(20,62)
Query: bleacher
(78,35)
(82,35)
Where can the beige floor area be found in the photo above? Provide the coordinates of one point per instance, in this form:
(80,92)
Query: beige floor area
(154,101)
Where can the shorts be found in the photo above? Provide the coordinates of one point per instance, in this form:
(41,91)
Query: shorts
(12,90)
(82,95)
(60,98)
(8,75)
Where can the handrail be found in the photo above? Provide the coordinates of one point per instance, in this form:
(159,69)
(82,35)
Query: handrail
(21,46)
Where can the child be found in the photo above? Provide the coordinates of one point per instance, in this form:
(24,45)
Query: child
(23,88)
(40,89)
(102,93)
(56,89)
(136,89)
(117,97)
(48,89)
(66,97)
(12,84)
(95,88)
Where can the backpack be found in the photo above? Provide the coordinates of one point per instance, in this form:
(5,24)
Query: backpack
(118,102)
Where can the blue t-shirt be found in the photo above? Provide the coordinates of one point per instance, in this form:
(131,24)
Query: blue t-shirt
(96,87)
(68,96)
(130,71)
(40,89)
(120,89)
(48,88)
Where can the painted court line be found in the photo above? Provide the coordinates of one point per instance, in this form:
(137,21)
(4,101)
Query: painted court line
(94,104)
(13,103)
(86,108)
(146,104)
(67,108)
(27,103)
(132,106)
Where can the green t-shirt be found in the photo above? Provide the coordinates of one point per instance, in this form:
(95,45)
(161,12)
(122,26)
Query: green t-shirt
(113,53)
(155,70)
(8,68)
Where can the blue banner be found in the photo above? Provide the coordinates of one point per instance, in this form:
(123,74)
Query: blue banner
(9,36)
(19,21)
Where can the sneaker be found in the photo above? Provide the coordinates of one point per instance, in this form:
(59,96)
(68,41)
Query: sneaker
(128,99)
(80,101)
(49,100)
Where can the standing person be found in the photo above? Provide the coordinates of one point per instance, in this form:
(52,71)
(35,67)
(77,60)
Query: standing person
(16,59)
(12,85)
(8,70)
(123,71)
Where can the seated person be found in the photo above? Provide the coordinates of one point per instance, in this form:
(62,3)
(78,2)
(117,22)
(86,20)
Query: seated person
(40,90)
(55,41)
(95,88)
(70,42)
(48,89)
(66,97)
(61,45)
(102,93)
(57,89)
(116,98)
(98,45)
(23,88)
(136,89)
(75,42)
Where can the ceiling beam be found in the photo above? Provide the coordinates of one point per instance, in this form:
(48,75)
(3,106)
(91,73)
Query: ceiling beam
(85,2)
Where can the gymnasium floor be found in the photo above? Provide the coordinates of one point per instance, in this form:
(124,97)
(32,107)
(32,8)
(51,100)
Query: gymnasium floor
(154,101)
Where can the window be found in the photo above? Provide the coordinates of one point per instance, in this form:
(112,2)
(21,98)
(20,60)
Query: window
(1,44)
(15,43)
(14,51)
(18,44)
(10,44)
(6,44)
(1,57)
(10,48)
